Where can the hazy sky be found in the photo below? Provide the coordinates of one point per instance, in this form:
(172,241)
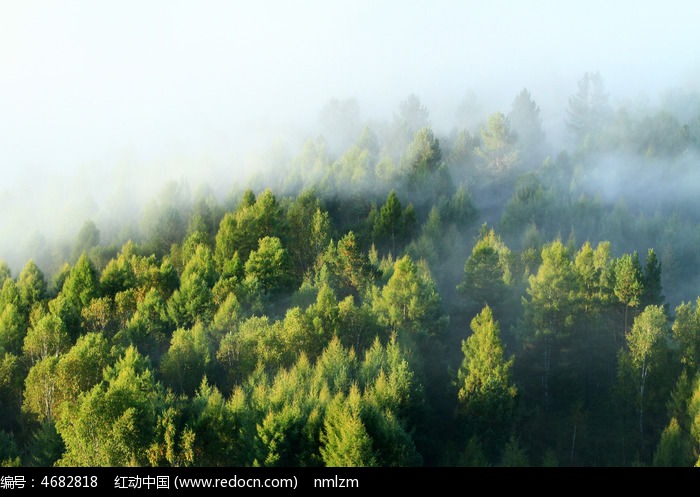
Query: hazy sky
(93,89)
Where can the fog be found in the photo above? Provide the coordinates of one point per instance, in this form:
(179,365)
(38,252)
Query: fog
(102,104)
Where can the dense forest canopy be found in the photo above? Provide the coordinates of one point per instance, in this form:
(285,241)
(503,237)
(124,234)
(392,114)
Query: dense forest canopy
(385,295)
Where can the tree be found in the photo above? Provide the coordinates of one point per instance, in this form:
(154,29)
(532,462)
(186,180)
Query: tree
(412,116)
(526,124)
(486,392)
(648,332)
(686,331)
(13,317)
(409,302)
(12,375)
(193,301)
(31,284)
(594,271)
(651,281)
(119,273)
(424,165)
(5,272)
(497,146)
(80,368)
(47,338)
(185,363)
(309,232)
(269,265)
(88,237)
(628,282)
(164,221)
(40,389)
(113,423)
(674,448)
(148,326)
(344,439)
(550,310)
(393,222)
(80,287)
(487,273)
(352,265)
(9,454)
(588,109)
(225,241)
(215,430)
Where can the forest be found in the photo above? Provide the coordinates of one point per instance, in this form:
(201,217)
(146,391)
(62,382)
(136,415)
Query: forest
(385,295)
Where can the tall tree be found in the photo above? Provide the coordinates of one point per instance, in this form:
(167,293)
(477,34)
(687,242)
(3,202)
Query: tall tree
(588,109)
(486,391)
(409,302)
(185,363)
(344,439)
(113,423)
(193,300)
(13,318)
(526,123)
(487,273)
(424,166)
(269,266)
(31,284)
(629,285)
(394,223)
(686,331)
(309,232)
(644,340)
(550,309)
(651,281)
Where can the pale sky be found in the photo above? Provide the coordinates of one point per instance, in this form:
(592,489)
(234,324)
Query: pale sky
(91,88)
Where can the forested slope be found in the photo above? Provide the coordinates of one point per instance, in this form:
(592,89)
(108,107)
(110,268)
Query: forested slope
(382,297)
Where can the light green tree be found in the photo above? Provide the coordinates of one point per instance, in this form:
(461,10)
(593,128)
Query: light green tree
(344,439)
(269,265)
(644,341)
(497,147)
(113,423)
(486,390)
(628,282)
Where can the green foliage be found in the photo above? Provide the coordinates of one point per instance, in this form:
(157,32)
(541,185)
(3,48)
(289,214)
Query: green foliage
(185,363)
(686,331)
(487,273)
(394,223)
(112,424)
(409,302)
(588,110)
(193,301)
(673,449)
(497,147)
(40,388)
(269,266)
(321,324)
(11,389)
(31,284)
(80,368)
(13,325)
(628,282)
(344,440)
(486,391)
(48,338)
(526,124)
(241,231)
